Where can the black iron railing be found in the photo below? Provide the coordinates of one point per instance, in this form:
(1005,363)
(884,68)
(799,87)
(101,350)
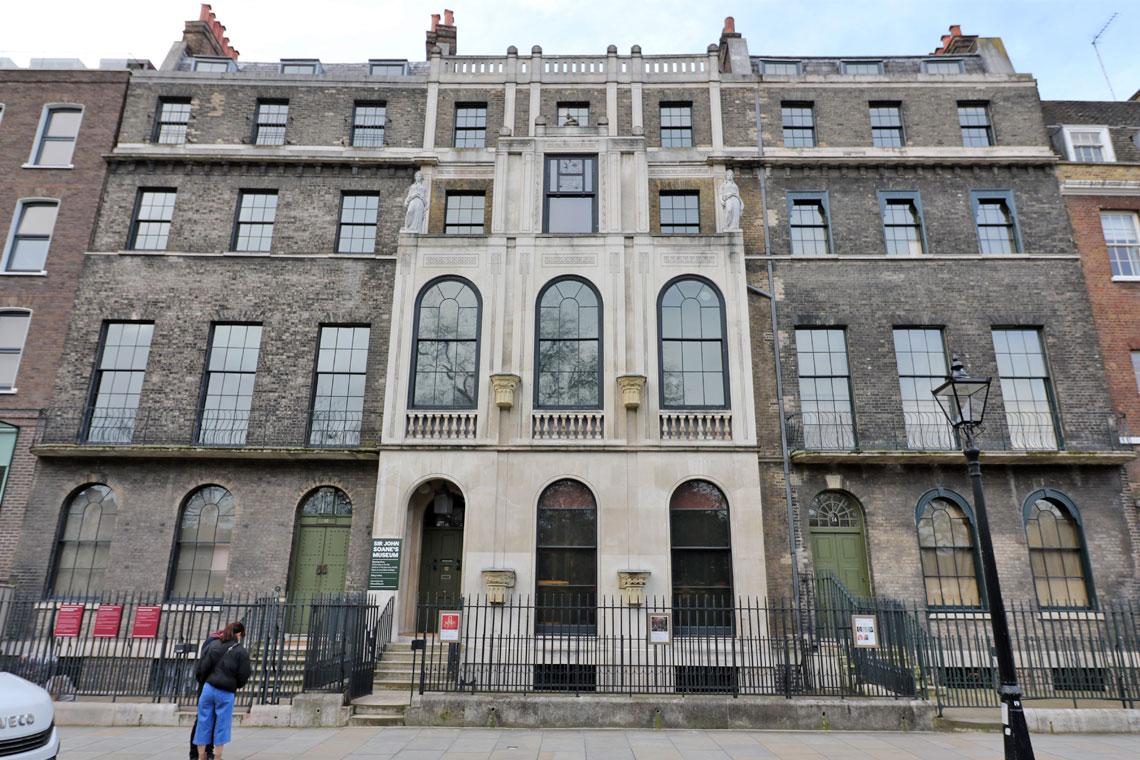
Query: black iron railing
(229,428)
(928,431)
(313,643)
(753,648)
(809,646)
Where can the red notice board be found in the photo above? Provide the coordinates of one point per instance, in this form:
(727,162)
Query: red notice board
(146,621)
(69,619)
(107,619)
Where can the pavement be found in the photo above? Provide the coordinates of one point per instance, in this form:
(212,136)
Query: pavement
(410,743)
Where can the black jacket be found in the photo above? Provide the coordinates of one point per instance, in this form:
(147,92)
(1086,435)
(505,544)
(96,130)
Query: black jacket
(224,665)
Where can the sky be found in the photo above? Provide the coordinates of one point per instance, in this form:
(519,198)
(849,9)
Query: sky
(1050,39)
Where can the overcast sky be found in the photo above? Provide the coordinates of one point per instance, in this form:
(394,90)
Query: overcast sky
(1047,38)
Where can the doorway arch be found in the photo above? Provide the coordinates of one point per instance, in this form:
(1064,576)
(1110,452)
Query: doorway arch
(839,541)
(438,511)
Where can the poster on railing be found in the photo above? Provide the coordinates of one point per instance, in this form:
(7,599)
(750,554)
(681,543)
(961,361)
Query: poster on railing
(107,620)
(660,627)
(866,631)
(146,621)
(384,569)
(449,625)
(69,619)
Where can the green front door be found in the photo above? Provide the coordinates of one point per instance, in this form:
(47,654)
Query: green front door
(837,541)
(441,562)
(320,560)
(844,553)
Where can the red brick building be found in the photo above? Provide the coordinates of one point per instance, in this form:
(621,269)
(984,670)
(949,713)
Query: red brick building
(1099,145)
(55,124)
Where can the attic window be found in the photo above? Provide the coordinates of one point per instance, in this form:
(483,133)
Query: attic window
(213,65)
(952,66)
(783,68)
(301,66)
(379,68)
(863,67)
(1088,144)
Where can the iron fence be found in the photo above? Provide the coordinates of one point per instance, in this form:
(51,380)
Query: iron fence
(806,646)
(257,427)
(748,647)
(928,431)
(139,646)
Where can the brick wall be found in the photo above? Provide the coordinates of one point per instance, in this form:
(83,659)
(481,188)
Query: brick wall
(930,114)
(706,203)
(948,216)
(223,112)
(308,203)
(449,97)
(150,495)
(439,191)
(697,97)
(50,297)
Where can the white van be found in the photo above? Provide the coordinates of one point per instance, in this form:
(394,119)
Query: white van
(27,721)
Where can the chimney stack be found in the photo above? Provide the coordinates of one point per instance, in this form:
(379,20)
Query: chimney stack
(207,37)
(442,34)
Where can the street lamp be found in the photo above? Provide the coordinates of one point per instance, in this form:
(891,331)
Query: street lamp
(963,401)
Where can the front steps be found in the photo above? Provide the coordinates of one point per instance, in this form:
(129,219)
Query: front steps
(391,689)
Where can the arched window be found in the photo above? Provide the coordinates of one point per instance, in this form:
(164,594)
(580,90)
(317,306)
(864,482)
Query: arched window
(202,553)
(701,557)
(690,319)
(327,500)
(566,575)
(85,542)
(1057,552)
(950,563)
(445,362)
(568,371)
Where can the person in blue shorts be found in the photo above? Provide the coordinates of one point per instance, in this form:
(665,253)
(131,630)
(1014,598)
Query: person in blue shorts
(222,669)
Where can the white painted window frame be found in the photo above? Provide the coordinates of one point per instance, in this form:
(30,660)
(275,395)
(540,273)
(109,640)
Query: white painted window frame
(23,345)
(44,115)
(1106,140)
(17,214)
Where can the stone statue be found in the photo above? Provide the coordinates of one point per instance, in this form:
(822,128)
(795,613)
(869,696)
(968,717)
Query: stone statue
(416,206)
(730,200)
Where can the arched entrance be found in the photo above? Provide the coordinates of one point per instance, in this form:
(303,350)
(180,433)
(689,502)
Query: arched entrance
(838,543)
(441,545)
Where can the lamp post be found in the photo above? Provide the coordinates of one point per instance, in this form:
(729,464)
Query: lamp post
(963,400)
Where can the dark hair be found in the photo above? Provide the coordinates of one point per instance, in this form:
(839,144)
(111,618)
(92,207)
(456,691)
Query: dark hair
(232,630)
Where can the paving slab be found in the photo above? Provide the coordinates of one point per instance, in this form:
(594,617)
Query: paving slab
(408,743)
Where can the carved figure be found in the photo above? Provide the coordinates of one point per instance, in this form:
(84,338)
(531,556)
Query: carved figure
(730,200)
(416,206)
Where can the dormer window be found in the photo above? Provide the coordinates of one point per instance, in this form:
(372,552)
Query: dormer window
(952,66)
(214,65)
(378,68)
(301,66)
(1087,144)
(872,68)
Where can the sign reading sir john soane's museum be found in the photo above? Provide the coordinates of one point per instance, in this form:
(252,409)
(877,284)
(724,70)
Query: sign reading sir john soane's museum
(384,571)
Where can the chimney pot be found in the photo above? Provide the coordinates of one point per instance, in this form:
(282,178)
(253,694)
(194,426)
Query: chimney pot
(729,25)
(956,30)
(434,21)
(448,17)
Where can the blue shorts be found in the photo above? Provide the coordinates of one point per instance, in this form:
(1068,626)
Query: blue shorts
(215,714)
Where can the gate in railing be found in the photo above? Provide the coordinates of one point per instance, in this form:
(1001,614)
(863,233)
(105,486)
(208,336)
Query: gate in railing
(136,646)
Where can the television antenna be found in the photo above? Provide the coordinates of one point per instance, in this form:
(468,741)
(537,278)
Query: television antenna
(1095,39)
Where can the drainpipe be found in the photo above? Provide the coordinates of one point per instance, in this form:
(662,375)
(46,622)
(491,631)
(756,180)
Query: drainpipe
(784,454)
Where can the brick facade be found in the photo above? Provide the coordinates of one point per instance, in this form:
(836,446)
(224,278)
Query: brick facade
(48,297)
